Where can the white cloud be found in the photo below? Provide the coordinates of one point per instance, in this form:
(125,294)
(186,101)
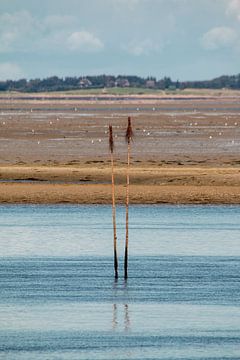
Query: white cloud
(144,47)
(21,31)
(219,37)
(10,71)
(233,8)
(15,29)
(18,21)
(84,41)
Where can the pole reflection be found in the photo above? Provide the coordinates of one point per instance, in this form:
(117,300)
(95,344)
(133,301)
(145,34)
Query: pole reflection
(121,319)
(127,322)
(114,320)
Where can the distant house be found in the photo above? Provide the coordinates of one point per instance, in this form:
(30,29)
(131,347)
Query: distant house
(110,83)
(122,82)
(150,84)
(85,83)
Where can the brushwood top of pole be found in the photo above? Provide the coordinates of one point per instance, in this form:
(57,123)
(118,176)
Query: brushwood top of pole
(129,131)
(111,142)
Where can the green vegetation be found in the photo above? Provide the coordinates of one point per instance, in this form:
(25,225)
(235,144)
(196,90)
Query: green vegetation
(117,85)
(113,91)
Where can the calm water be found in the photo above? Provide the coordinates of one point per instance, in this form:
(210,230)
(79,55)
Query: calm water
(58,298)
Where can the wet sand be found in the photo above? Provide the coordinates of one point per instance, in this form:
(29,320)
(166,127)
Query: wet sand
(91,185)
(54,148)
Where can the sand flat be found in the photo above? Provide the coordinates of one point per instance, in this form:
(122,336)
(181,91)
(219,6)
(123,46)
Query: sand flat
(54,148)
(92,185)
(101,194)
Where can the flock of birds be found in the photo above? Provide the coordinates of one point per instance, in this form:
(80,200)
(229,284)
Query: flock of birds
(145,131)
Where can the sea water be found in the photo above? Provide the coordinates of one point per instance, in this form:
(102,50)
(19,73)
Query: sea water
(59,299)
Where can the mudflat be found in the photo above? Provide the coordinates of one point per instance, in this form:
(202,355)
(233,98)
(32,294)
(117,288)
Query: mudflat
(54,148)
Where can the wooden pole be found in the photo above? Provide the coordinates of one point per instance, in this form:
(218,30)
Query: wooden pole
(111,147)
(127,215)
(129,136)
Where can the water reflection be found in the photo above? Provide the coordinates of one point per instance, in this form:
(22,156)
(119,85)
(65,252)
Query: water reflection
(120,312)
(121,317)
(72,308)
(126,318)
(114,320)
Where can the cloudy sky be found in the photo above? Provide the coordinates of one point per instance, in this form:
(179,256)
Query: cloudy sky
(184,39)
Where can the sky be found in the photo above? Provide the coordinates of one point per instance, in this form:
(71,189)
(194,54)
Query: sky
(183,39)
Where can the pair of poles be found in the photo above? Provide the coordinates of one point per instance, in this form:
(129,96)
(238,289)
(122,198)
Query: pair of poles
(128,137)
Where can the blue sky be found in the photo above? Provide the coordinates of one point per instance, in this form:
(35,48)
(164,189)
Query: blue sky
(183,39)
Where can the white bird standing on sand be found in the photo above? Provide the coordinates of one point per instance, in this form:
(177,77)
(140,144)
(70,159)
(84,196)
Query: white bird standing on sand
(92,141)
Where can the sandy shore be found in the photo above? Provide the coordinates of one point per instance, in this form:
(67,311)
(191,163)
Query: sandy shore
(91,185)
(100,194)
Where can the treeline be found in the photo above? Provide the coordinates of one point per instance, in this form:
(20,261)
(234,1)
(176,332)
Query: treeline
(55,83)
